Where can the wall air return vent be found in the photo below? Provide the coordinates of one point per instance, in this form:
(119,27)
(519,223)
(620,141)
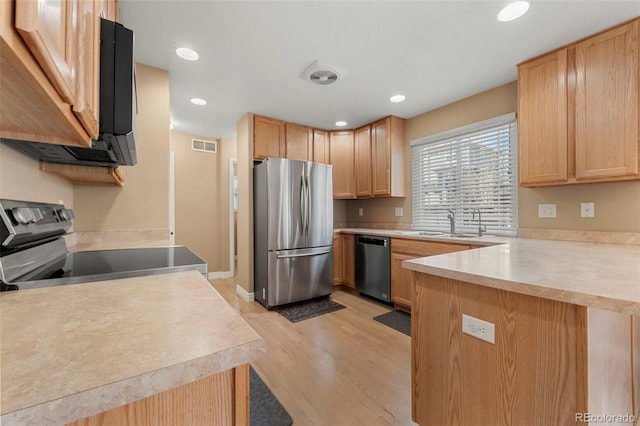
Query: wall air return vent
(204,146)
(321,74)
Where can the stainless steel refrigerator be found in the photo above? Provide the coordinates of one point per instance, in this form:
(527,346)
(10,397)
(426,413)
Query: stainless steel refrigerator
(293,231)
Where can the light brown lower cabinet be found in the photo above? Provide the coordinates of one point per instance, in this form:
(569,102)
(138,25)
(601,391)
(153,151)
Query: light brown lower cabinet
(221,399)
(344,260)
(553,363)
(338,271)
(407,249)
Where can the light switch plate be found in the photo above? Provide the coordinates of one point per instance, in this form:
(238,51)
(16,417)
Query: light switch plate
(399,211)
(546,210)
(360,211)
(587,209)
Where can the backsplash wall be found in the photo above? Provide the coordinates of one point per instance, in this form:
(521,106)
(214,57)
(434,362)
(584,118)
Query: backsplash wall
(21,179)
(143,202)
(617,205)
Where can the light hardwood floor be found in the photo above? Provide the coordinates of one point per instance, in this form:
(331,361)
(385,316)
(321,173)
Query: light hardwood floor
(341,368)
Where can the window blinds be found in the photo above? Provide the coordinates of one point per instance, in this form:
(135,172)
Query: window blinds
(469,168)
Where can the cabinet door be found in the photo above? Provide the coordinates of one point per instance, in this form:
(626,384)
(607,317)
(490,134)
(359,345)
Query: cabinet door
(87,104)
(49,29)
(338,258)
(542,119)
(407,249)
(268,138)
(401,280)
(321,146)
(387,157)
(349,269)
(363,161)
(299,142)
(342,158)
(381,157)
(108,9)
(607,87)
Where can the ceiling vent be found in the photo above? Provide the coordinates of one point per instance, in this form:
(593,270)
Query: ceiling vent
(321,74)
(204,146)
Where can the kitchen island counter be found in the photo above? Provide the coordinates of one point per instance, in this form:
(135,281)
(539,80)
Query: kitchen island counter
(560,324)
(605,276)
(74,351)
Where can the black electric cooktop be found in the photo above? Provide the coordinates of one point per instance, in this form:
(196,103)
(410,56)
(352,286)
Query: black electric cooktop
(99,265)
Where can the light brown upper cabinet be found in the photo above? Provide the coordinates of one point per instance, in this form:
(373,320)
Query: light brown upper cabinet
(50,30)
(387,154)
(87,104)
(363,161)
(542,119)
(341,145)
(607,74)
(108,9)
(298,142)
(64,37)
(578,113)
(321,146)
(268,138)
(44,70)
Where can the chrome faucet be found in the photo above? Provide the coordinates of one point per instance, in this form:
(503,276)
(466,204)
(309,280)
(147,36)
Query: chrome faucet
(480,228)
(452,220)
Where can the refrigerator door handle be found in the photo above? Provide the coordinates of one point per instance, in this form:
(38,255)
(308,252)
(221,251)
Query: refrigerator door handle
(315,253)
(308,202)
(303,214)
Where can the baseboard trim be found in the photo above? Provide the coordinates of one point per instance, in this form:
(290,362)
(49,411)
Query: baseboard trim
(219,275)
(245,295)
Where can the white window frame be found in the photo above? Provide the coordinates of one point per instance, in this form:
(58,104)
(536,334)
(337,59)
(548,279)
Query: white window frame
(463,192)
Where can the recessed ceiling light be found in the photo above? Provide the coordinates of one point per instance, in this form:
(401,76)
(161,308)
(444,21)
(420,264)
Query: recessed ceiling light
(397,98)
(341,123)
(198,101)
(513,11)
(188,54)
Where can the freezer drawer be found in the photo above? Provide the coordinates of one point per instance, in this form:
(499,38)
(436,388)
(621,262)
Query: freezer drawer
(295,275)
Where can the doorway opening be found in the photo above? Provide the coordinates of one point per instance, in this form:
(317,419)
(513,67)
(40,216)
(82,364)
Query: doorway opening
(233,215)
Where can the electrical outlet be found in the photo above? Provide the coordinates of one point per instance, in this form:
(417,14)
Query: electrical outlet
(482,330)
(587,209)
(399,211)
(546,210)
(360,211)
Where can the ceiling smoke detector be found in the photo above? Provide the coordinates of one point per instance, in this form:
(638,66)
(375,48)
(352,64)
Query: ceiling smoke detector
(321,73)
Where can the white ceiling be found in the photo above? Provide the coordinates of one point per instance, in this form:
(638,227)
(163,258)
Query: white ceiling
(434,52)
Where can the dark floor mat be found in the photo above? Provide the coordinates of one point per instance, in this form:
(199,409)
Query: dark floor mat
(264,407)
(397,320)
(309,309)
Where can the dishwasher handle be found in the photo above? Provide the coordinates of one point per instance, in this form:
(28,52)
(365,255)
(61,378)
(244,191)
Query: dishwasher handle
(370,240)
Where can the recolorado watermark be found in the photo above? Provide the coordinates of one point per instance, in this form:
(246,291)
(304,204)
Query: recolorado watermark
(605,418)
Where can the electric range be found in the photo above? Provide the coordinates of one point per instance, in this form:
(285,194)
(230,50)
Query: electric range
(33,253)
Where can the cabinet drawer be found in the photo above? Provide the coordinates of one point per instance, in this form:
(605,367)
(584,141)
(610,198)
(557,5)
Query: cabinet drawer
(425,248)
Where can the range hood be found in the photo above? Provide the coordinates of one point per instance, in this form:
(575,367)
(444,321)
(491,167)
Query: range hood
(116,144)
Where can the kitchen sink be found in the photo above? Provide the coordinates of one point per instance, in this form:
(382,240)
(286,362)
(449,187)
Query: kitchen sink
(438,234)
(425,233)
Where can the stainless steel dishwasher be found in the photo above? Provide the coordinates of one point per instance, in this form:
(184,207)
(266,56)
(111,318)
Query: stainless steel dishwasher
(373,266)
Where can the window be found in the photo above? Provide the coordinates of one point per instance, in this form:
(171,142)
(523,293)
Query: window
(472,167)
